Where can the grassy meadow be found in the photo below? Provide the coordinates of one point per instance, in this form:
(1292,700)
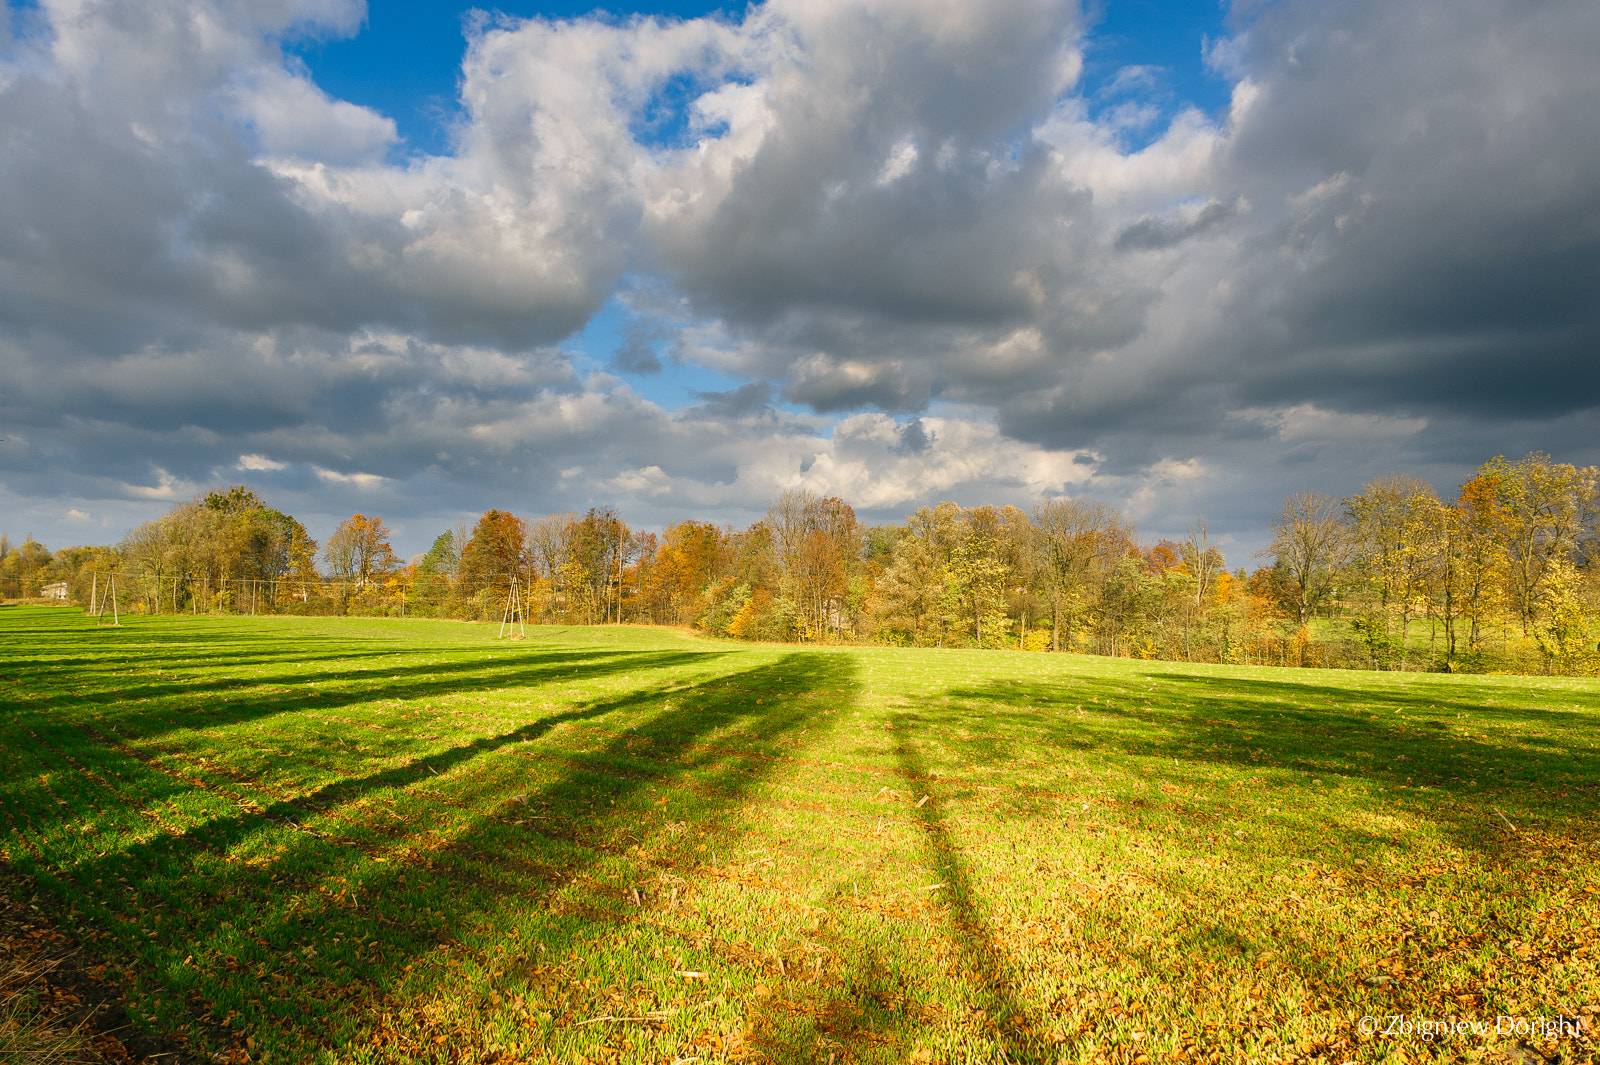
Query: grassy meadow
(304,840)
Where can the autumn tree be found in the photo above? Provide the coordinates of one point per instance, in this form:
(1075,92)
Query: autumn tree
(1080,541)
(220,547)
(1174,612)
(1017,549)
(358,552)
(910,598)
(299,557)
(1309,545)
(977,575)
(493,556)
(821,563)
(1130,604)
(549,551)
(1566,619)
(249,540)
(950,576)
(915,599)
(24,567)
(147,556)
(1395,540)
(598,551)
(1544,507)
(692,557)
(1481,562)
(752,568)
(790,518)
(816,543)
(1202,560)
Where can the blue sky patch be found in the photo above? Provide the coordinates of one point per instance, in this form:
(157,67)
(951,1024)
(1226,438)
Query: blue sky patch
(406,61)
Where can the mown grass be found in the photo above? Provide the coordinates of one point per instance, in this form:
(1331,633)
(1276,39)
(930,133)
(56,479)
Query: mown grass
(373,841)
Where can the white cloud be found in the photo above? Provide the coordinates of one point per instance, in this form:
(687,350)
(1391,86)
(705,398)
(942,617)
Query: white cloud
(647,480)
(1376,255)
(167,488)
(1156,485)
(1305,421)
(296,119)
(899,163)
(360,480)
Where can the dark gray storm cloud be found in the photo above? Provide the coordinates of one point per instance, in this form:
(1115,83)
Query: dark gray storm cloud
(1152,233)
(741,402)
(1384,255)
(637,353)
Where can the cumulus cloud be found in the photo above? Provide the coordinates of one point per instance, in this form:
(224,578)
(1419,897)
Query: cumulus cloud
(355,480)
(259,462)
(1154,233)
(294,118)
(930,263)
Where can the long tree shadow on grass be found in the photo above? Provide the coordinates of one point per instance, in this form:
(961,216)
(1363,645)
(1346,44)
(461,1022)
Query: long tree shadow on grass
(128,712)
(76,735)
(868,1008)
(141,711)
(38,709)
(213,919)
(1316,759)
(994,983)
(1308,728)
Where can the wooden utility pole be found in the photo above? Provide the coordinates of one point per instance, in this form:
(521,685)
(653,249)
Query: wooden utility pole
(111,595)
(511,618)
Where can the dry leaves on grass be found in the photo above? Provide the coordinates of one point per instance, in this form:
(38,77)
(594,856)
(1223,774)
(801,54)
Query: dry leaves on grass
(56,1007)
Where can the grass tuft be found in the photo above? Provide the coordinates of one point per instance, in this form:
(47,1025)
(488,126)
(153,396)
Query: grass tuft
(29,1035)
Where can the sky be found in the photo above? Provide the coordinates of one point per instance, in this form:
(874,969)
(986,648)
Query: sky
(422,259)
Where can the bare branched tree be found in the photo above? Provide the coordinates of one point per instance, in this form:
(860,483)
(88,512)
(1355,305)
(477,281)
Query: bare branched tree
(1309,543)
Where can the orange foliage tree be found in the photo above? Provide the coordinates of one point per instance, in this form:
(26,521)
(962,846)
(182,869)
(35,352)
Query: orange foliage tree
(358,552)
(494,555)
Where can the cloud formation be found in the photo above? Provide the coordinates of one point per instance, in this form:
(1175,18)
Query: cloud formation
(925,255)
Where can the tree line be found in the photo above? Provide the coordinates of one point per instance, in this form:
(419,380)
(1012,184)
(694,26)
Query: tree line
(1502,577)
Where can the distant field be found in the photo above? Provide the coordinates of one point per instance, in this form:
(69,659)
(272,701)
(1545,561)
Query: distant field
(393,841)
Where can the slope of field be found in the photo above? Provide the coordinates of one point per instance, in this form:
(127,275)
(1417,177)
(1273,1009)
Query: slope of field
(389,841)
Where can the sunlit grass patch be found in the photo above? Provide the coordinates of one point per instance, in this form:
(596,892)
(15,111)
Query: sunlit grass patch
(301,839)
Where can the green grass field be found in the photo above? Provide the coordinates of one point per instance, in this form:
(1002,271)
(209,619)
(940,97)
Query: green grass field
(362,840)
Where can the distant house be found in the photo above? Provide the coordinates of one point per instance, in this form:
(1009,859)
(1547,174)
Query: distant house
(58,590)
